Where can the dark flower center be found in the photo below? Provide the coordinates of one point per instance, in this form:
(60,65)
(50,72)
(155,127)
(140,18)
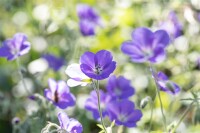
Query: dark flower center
(98,69)
(56,98)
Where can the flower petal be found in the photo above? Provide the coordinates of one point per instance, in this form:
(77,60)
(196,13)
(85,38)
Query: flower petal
(103,58)
(131,49)
(159,55)
(52,85)
(63,120)
(162,76)
(74,71)
(88,58)
(74,126)
(73,83)
(143,36)
(48,94)
(106,71)
(161,38)
(25,48)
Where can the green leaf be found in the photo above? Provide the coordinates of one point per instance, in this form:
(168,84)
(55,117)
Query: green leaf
(100,126)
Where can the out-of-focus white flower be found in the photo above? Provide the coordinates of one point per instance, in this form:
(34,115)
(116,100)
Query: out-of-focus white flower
(77,77)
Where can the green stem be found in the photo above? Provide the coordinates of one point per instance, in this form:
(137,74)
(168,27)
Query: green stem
(99,106)
(159,97)
(182,117)
(151,116)
(21,75)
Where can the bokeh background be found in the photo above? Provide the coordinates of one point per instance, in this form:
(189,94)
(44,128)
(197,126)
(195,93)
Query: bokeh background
(52,27)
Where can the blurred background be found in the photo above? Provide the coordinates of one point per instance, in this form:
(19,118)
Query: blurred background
(52,27)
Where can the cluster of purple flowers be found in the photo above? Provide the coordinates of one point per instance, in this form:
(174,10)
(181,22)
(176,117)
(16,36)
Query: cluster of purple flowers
(89,19)
(148,46)
(145,46)
(115,103)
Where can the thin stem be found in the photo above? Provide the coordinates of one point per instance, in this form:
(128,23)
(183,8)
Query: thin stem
(182,117)
(21,75)
(159,97)
(99,106)
(151,115)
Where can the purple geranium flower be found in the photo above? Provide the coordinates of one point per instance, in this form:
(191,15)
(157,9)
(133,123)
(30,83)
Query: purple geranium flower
(172,26)
(87,28)
(97,66)
(54,62)
(15,47)
(119,87)
(146,45)
(124,113)
(166,85)
(89,19)
(91,103)
(69,124)
(59,94)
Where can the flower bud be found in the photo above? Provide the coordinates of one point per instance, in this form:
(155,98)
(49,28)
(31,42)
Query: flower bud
(145,101)
(197,116)
(15,120)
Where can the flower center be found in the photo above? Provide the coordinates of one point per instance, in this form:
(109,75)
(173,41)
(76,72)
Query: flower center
(122,118)
(117,91)
(147,52)
(56,98)
(14,51)
(98,69)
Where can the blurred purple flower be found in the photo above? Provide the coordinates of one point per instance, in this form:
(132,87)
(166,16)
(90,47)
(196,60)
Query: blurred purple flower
(172,25)
(89,19)
(87,28)
(32,97)
(97,66)
(54,62)
(124,113)
(119,87)
(146,45)
(59,94)
(166,85)
(91,103)
(15,47)
(69,124)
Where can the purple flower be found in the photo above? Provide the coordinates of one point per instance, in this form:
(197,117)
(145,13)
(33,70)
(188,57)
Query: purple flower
(97,66)
(15,47)
(89,19)
(69,124)
(166,85)
(119,87)
(87,28)
(59,94)
(146,45)
(172,26)
(54,62)
(91,103)
(124,113)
